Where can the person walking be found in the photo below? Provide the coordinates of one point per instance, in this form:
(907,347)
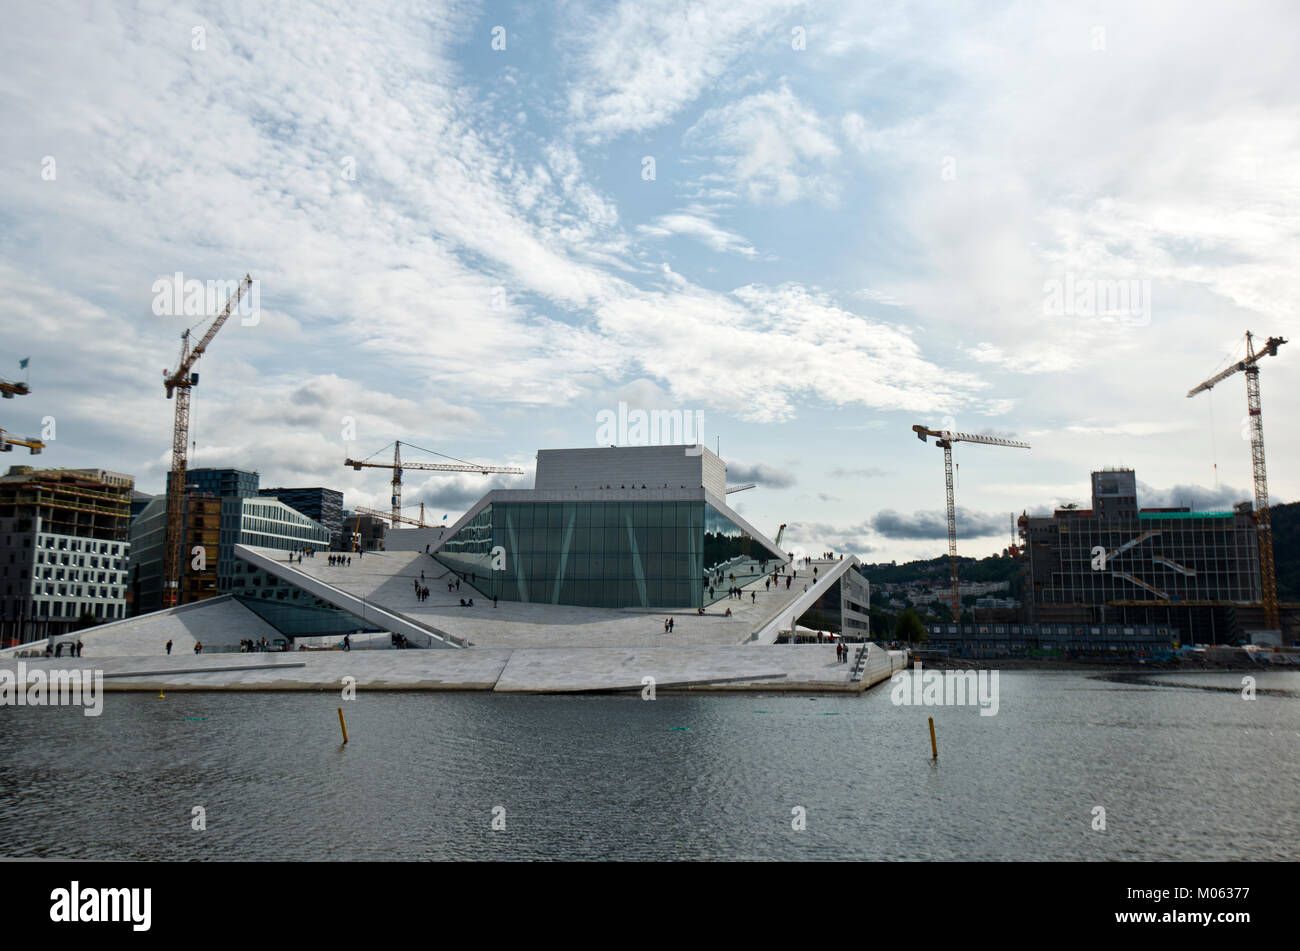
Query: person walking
(198,647)
(169,648)
(347,642)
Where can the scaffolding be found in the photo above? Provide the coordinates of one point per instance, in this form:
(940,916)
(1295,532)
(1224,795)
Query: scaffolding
(67,503)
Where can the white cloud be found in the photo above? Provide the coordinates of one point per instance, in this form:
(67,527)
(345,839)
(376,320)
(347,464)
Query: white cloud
(640,62)
(773,148)
(696,222)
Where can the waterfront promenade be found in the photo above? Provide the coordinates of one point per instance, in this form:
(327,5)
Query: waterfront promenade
(785,667)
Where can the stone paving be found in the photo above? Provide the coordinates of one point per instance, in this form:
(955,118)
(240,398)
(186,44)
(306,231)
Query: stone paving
(552,670)
(513,648)
(219,622)
(385,578)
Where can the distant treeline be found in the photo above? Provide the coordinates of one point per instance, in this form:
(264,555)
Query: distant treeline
(992,568)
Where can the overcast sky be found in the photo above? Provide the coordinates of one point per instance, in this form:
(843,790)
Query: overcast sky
(475,227)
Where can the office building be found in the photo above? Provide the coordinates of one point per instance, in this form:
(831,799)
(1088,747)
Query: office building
(319,504)
(63,549)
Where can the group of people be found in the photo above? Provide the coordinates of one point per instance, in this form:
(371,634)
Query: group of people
(739,594)
(421,592)
(298,554)
(841,652)
(250,646)
(399,642)
(56,650)
(668,625)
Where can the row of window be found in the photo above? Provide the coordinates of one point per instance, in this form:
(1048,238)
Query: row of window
(73,574)
(80,561)
(90,545)
(79,591)
(74,609)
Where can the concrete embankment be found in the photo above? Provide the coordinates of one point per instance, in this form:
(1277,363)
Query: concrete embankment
(802,667)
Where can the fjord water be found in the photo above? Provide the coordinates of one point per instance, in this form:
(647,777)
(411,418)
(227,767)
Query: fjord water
(1183,766)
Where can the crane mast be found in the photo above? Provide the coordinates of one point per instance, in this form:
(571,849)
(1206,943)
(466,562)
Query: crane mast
(944,439)
(1263,521)
(178,384)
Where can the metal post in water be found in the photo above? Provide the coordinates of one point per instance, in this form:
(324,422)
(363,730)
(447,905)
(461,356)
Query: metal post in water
(934,747)
(343,724)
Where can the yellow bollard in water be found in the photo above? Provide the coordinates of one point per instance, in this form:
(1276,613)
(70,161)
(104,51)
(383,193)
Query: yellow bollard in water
(343,724)
(934,747)
(160,694)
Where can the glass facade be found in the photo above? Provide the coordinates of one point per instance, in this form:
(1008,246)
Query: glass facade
(288,608)
(651,554)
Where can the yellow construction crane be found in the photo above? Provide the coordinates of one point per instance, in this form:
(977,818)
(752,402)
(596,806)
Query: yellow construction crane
(459,465)
(406,519)
(8,441)
(944,439)
(179,382)
(1263,523)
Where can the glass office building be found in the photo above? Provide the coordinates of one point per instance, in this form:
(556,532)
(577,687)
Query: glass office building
(656,553)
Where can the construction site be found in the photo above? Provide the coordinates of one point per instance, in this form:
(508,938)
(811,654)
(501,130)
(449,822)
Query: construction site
(1194,572)
(1204,576)
(1201,576)
(63,549)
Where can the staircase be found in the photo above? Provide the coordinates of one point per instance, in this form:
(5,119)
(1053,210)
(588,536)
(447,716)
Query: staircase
(859,664)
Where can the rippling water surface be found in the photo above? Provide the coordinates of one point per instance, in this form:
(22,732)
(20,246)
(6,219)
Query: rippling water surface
(1183,772)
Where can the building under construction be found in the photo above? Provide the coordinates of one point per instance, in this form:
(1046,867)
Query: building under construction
(1194,572)
(63,549)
